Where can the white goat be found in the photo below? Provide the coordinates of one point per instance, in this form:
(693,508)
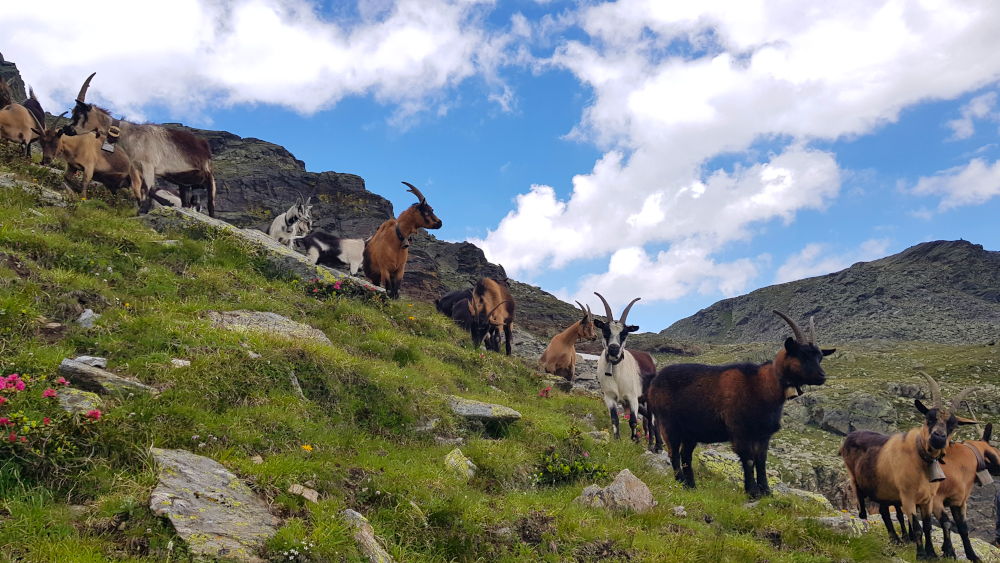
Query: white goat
(619,372)
(292,224)
(335,252)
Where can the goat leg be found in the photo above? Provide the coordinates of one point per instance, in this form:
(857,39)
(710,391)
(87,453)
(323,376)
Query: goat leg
(760,465)
(925,517)
(687,452)
(614,420)
(963,530)
(883,510)
(947,549)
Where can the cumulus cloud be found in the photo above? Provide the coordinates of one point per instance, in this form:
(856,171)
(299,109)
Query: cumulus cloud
(816,259)
(677,85)
(189,53)
(975,183)
(978,108)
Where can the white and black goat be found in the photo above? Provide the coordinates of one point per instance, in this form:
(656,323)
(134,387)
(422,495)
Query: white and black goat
(292,224)
(334,252)
(620,371)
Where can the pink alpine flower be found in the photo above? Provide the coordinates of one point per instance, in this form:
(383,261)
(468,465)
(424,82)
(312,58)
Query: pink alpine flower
(4,421)
(46,421)
(62,381)
(94,415)
(49,393)
(3,400)
(12,437)
(19,385)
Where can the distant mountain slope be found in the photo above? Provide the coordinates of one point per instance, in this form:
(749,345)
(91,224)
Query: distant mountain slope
(942,291)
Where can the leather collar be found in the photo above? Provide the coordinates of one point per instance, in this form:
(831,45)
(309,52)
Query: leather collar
(980,460)
(405,241)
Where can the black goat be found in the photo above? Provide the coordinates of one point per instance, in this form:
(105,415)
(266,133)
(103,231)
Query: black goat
(740,403)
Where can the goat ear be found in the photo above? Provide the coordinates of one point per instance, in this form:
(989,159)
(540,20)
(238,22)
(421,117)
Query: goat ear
(631,328)
(791,345)
(829,351)
(599,324)
(920,406)
(962,421)
(987,433)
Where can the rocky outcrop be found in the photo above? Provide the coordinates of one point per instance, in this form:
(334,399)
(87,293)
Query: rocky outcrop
(626,492)
(480,411)
(100,381)
(942,291)
(210,508)
(267,323)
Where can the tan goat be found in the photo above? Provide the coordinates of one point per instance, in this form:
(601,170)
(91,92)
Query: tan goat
(559,357)
(18,122)
(492,308)
(83,153)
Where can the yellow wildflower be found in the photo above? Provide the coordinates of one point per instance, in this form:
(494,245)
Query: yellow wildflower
(307,447)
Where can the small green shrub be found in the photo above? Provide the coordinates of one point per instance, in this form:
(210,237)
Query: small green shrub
(569,462)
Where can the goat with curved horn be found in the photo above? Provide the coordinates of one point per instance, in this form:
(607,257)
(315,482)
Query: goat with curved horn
(935,390)
(416,192)
(559,357)
(82,96)
(607,308)
(795,328)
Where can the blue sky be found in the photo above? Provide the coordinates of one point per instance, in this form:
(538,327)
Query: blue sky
(660,149)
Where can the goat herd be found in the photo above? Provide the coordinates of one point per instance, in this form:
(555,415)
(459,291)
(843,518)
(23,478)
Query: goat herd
(919,472)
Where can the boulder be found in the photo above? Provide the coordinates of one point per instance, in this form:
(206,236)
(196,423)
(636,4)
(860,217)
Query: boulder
(627,492)
(485,412)
(88,318)
(658,462)
(93,361)
(369,544)
(725,463)
(210,508)
(457,463)
(100,381)
(310,495)
(76,401)
(842,523)
(816,498)
(267,323)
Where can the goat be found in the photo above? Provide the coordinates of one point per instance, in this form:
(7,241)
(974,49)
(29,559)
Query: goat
(387,251)
(178,157)
(447,302)
(904,468)
(619,370)
(20,122)
(559,357)
(6,95)
(164,197)
(293,224)
(335,252)
(457,305)
(492,308)
(83,153)
(969,463)
(740,403)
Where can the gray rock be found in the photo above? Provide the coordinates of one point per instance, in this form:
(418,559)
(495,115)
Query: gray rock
(268,323)
(365,537)
(76,401)
(210,508)
(679,512)
(658,462)
(478,410)
(310,495)
(94,361)
(88,318)
(99,381)
(457,463)
(842,523)
(179,363)
(627,492)
(599,436)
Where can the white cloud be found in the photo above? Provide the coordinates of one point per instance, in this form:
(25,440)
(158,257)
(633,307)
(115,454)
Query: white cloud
(191,53)
(816,259)
(975,183)
(677,84)
(979,108)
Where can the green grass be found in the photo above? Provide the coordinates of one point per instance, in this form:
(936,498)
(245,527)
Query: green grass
(385,374)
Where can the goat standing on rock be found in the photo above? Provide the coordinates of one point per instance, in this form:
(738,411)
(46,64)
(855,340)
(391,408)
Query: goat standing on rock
(740,403)
(620,371)
(387,251)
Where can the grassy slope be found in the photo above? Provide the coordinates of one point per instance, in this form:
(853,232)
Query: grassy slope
(386,372)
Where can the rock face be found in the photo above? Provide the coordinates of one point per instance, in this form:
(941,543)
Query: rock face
(10,74)
(943,291)
(211,509)
(627,492)
(268,323)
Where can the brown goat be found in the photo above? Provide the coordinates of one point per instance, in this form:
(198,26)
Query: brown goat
(492,307)
(18,122)
(83,153)
(740,403)
(968,463)
(386,252)
(559,357)
(904,468)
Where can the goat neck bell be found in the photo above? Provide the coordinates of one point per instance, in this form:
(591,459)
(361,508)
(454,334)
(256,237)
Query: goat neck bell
(934,472)
(793,392)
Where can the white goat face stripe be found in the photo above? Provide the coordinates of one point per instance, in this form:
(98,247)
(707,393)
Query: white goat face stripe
(614,334)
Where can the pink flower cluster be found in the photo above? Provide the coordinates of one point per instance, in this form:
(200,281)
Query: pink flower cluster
(12,381)
(94,415)
(49,393)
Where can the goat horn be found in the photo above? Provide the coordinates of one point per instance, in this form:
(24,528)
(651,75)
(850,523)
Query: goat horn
(416,192)
(795,328)
(607,308)
(82,96)
(956,403)
(627,309)
(490,314)
(581,307)
(812,330)
(935,390)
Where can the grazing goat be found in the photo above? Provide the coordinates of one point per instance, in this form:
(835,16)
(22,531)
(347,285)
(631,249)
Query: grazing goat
(619,371)
(83,153)
(492,308)
(293,224)
(19,122)
(559,357)
(968,463)
(740,403)
(335,252)
(904,468)
(386,251)
(178,157)
(457,305)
